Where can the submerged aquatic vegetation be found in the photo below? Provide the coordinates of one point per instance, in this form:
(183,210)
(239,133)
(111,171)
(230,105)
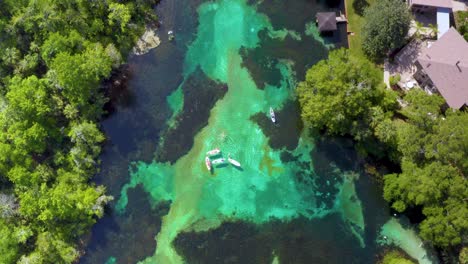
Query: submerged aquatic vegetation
(265,188)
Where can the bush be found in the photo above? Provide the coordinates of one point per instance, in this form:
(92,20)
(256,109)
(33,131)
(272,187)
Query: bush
(461,23)
(395,257)
(394,79)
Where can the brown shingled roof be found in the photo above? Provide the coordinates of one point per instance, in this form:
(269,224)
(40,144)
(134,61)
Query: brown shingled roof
(326,21)
(446,63)
(434,3)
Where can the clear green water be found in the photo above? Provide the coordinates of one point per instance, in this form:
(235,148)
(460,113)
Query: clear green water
(393,233)
(265,188)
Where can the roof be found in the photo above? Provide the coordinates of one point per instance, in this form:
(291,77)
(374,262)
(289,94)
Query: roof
(326,21)
(443,20)
(446,64)
(434,3)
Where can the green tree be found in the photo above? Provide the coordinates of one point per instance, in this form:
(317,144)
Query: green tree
(463,257)
(52,60)
(461,23)
(423,114)
(57,43)
(449,141)
(79,75)
(119,14)
(386,25)
(395,257)
(434,30)
(434,167)
(419,27)
(29,99)
(441,192)
(338,94)
(9,247)
(86,138)
(445,225)
(51,249)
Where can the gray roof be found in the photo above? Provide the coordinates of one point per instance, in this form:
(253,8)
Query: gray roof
(446,63)
(326,21)
(434,3)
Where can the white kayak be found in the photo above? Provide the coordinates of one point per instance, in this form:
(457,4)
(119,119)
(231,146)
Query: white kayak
(208,163)
(272,115)
(234,162)
(218,161)
(213,152)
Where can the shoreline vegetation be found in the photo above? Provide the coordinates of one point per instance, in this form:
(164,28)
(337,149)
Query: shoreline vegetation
(53,57)
(344,96)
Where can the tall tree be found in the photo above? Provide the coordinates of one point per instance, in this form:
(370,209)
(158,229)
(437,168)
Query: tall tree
(9,246)
(386,25)
(86,138)
(339,93)
(434,148)
(79,74)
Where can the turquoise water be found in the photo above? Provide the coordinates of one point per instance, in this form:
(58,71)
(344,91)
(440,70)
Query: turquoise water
(264,188)
(243,63)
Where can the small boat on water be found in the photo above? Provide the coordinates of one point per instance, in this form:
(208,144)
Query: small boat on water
(234,162)
(170,34)
(272,115)
(213,152)
(208,163)
(218,161)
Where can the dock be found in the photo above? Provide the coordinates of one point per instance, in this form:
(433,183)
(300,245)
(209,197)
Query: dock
(341,19)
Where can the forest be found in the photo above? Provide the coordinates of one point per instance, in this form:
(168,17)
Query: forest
(344,96)
(53,57)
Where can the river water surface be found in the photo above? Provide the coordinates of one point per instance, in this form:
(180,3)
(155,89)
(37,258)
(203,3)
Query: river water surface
(297,198)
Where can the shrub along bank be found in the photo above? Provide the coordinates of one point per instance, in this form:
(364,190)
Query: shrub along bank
(53,56)
(344,96)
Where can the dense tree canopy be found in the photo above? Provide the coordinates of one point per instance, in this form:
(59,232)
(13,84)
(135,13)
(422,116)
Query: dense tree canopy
(9,246)
(386,26)
(342,94)
(53,56)
(434,151)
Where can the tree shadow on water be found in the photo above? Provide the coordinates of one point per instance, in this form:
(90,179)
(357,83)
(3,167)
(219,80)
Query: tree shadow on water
(359,6)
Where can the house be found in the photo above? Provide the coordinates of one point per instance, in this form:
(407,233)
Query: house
(440,9)
(326,21)
(443,68)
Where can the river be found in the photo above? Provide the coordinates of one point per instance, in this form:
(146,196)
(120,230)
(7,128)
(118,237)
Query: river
(297,197)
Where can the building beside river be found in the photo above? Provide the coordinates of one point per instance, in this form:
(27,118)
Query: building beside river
(443,68)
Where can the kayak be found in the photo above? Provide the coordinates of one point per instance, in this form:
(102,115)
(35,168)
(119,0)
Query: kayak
(234,162)
(208,163)
(213,152)
(218,161)
(272,115)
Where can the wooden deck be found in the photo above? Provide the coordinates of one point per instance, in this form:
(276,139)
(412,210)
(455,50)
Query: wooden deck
(341,18)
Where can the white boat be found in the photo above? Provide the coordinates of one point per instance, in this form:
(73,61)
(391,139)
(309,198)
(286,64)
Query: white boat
(218,161)
(208,163)
(234,162)
(170,34)
(213,152)
(272,115)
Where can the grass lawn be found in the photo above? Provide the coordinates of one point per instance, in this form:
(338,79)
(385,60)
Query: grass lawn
(354,9)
